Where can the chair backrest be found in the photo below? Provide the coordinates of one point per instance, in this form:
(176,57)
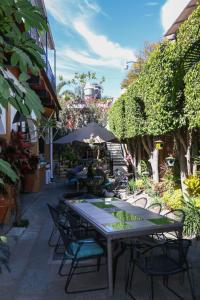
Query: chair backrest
(54,214)
(176,215)
(66,239)
(74,221)
(155,207)
(141,202)
(178,250)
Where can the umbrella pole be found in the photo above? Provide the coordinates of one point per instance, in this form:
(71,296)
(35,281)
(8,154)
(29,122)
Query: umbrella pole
(51,151)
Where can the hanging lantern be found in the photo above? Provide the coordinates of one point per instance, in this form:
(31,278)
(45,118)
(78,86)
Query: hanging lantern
(170,160)
(159,144)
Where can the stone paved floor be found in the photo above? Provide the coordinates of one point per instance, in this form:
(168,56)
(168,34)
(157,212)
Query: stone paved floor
(34,271)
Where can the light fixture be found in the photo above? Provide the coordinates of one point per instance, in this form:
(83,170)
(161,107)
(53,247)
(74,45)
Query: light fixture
(126,65)
(159,144)
(170,160)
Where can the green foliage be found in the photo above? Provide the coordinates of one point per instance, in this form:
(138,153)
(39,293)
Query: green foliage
(5,168)
(63,94)
(139,184)
(134,112)
(137,66)
(18,49)
(165,96)
(160,91)
(131,185)
(192,216)
(173,199)
(192,96)
(188,34)
(79,81)
(193,185)
(116,117)
(169,180)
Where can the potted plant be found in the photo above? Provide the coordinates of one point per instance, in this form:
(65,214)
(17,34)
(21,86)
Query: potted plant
(26,163)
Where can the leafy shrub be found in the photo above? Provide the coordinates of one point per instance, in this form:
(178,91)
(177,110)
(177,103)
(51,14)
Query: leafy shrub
(173,199)
(192,216)
(139,184)
(169,180)
(197,202)
(193,185)
(131,185)
(144,166)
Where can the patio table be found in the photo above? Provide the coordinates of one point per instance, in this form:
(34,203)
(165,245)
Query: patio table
(117,219)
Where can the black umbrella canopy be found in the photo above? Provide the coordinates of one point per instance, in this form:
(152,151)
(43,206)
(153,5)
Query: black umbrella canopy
(18,118)
(92,133)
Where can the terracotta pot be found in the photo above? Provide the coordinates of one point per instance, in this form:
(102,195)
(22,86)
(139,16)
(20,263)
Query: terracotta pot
(29,180)
(10,189)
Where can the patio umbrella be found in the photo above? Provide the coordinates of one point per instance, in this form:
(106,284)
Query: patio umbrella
(18,118)
(93,133)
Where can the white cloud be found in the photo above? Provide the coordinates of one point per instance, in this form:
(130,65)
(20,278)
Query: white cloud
(103,47)
(83,58)
(65,11)
(170,12)
(76,15)
(56,9)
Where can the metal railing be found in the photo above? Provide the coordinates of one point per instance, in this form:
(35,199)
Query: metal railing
(36,36)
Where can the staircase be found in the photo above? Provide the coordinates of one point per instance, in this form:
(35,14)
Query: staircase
(116,155)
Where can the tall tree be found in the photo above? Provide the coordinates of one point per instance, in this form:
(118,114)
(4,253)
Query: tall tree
(79,81)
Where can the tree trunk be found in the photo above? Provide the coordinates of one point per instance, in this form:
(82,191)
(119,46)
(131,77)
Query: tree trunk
(153,157)
(181,151)
(132,150)
(194,153)
(139,169)
(154,161)
(188,153)
(183,168)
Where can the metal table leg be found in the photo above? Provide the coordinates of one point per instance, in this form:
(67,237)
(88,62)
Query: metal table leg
(110,266)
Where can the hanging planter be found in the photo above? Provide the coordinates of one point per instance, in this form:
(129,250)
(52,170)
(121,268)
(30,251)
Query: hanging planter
(170,160)
(159,144)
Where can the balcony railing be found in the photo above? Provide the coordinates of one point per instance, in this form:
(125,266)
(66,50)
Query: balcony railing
(39,40)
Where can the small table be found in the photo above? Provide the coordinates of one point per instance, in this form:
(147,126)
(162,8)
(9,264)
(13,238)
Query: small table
(117,219)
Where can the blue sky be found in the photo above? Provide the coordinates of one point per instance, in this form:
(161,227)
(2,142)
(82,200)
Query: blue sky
(101,35)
